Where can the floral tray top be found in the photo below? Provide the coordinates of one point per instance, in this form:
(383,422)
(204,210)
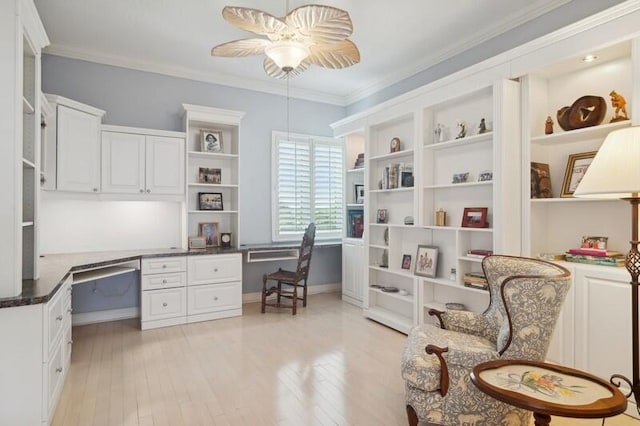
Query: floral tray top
(545,384)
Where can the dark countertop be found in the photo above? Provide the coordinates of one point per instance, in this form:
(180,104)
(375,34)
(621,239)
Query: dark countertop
(55,268)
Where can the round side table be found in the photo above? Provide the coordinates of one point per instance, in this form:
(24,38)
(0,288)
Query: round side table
(548,389)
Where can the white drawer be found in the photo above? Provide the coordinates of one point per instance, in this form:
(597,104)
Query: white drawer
(214,269)
(163,304)
(159,281)
(55,377)
(204,299)
(54,321)
(160,265)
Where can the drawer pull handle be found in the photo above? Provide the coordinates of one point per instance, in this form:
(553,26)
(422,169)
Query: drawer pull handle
(164,281)
(70,310)
(59,318)
(164,266)
(215,298)
(148,191)
(215,270)
(142,190)
(164,304)
(59,370)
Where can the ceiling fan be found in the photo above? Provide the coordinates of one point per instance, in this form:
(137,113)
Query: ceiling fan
(311,34)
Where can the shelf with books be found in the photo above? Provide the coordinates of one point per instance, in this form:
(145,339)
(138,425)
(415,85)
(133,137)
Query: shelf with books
(555,224)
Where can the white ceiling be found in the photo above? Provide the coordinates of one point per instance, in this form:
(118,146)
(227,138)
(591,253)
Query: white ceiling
(396,39)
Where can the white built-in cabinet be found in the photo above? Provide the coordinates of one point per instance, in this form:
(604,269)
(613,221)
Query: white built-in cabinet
(353,271)
(75,133)
(140,161)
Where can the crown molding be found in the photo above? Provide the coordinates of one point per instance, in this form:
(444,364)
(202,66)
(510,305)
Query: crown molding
(180,72)
(501,27)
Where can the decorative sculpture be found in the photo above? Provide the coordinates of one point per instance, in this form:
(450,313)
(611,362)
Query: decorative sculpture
(462,131)
(482,128)
(619,103)
(586,111)
(548,126)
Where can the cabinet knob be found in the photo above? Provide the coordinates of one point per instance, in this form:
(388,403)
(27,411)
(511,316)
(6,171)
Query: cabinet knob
(164,304)
(70,310)
(95,189)
(215,298)
(70,342)
(141,191)
(148,191)
(59,318)
(59,370)
(215,270)
(164,266)
(164,281)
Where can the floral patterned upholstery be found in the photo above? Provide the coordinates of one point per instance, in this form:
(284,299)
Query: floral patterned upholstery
(526,296)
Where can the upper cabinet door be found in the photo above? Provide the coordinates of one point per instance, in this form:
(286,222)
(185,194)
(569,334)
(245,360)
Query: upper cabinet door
(78,150)
(123,163)
(165,165)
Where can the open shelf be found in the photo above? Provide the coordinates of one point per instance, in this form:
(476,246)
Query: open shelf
(406,189)
(392,271)
(355,206)
(212,155)
(211,185)
(595,132)
(214,211)
(484,137)
(28,164)
(27,108)
(358,170)
(470,259)
(391,155)
(378,246)
(390,318)
(408,298)
(453,284)
(459,185)
(28,223)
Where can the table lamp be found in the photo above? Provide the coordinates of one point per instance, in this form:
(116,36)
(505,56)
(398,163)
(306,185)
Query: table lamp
(615,173)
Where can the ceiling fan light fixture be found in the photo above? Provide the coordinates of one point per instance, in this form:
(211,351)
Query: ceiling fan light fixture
(287,54)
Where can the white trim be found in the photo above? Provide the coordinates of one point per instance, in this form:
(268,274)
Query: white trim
(61,100)
(31,21)
(462,45)
(275,88)
(105,316)
(311,289)
(141,131)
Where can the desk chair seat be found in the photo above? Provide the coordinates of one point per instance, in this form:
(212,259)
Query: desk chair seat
(296,279)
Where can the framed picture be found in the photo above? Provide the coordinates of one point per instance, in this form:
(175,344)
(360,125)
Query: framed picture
(485,176)
(210,201)
(474,217)
(356,223)
(540,181)
(225,239)
(211,140)
(406,262)
(577,166)
(210,231)
(598,243)
(395,145)
(460,177)
(426,261)
(208,175)
(359,193)
(381,216)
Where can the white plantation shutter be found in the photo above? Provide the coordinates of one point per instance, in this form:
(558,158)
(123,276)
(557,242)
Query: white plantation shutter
(307,186)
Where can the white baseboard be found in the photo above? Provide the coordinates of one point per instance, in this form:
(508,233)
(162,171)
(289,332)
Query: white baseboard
(104,316)
(312,289)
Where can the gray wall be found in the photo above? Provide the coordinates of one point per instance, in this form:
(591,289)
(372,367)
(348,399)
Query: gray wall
(142,99)
(561,17)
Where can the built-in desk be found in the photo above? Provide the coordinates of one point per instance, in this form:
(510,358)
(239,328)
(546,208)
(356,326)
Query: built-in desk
(271,252)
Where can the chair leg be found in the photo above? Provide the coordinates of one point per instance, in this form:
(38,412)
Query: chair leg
(279,290)
(264,292)
(304,294)
(412,416)
(294,299)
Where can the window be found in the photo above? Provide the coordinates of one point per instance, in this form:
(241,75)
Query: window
(306,186)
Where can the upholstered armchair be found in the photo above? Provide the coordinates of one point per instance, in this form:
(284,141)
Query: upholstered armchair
(526,296)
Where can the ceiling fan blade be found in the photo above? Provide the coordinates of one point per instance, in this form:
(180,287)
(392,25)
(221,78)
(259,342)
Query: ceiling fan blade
(275,71)
(337,55)
(239,48)
(254,20)
(324,24)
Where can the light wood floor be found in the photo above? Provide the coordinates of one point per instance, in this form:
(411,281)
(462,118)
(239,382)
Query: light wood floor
(326,366)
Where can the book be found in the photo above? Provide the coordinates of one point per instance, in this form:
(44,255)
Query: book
(595,260)
(551,256)
(594,252)
(479,252)
(484,286)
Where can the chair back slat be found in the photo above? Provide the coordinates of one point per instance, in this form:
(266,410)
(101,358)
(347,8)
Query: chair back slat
(306,250)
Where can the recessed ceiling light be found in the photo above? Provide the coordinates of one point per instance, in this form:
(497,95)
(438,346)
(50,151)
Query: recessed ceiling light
(589,58)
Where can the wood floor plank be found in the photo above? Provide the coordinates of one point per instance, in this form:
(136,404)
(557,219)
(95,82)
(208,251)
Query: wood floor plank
(326,366)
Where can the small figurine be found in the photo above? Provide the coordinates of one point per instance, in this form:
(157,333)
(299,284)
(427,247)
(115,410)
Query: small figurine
(442,133)
(437,133)
(482,128)
(548,126)
(462,131)
(619,103)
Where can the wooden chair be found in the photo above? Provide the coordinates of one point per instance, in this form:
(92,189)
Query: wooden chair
(294,279)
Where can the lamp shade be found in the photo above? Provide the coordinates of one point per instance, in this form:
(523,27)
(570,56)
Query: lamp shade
(615,170)
(287,54)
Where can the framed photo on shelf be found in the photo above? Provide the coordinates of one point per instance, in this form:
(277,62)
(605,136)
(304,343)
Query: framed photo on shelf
(210,231)
(577,166)
(210,201)
(485,176)
(540,181)
(426,261)
(209,175)
(460,177)
(356,223)
(381,216)
(406,262)
(474,217)
(394,145)
(211,140)
(359,193)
